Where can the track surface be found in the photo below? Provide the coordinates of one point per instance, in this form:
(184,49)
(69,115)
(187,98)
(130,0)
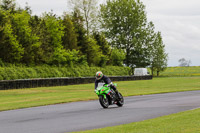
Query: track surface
(78,116)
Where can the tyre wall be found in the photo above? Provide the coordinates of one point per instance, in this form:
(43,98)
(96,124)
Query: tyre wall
(47,82)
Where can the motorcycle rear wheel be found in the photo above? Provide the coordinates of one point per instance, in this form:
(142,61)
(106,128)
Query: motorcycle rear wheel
(120,102)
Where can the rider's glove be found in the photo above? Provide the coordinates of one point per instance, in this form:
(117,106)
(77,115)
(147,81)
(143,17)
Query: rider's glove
(110,84)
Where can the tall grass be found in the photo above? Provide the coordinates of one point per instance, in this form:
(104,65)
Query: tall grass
(181,71)
(17,72)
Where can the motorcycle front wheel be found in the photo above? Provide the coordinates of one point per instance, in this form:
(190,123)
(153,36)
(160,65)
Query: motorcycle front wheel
(103,101)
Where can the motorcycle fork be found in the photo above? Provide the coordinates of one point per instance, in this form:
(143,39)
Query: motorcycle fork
(104,96)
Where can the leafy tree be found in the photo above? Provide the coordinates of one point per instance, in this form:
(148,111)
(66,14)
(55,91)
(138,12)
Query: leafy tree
(88,9)
(34,23)
(184,62)
(159,62)
(28,8)
(37,29)
(70,36)
(117,57)
(77,20)
(87,45)
(45,39)
(11,49)
(93,53)
(49,29)
(124,23)
(52,35)
(104,47)
(25,36)
(155,54)
(151,43)
(51,38)
(8,5)
(102,42)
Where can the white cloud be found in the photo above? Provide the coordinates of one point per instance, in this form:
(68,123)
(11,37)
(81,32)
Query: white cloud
(179,23)
(41,6)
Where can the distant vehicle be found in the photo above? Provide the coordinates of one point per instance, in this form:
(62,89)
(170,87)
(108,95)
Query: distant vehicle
(140,72)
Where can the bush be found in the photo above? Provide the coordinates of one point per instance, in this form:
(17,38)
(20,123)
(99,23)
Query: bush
(1,63)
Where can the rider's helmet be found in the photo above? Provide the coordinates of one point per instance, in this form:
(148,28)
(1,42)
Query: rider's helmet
(99,75)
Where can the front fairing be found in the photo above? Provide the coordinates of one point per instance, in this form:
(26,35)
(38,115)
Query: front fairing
(102,90)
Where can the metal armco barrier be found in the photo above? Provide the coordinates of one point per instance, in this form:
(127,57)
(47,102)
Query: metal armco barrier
(33,83)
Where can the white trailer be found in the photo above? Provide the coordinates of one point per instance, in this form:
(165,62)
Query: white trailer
(140,71)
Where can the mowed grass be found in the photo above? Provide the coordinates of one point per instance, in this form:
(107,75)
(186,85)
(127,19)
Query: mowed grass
(23,98)
(181,71)
(184,122)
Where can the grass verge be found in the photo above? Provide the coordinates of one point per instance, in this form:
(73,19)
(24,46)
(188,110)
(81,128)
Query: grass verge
(181,71)
(23,98)
(184,122)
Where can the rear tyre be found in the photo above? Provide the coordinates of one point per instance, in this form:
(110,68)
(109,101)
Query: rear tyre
(120,102)
(103,101)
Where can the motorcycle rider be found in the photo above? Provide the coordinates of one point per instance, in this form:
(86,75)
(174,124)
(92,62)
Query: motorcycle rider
(102,78)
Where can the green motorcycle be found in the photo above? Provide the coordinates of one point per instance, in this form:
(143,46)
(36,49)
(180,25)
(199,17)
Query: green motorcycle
(107,96)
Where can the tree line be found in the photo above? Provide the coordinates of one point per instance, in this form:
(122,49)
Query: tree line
(114,33)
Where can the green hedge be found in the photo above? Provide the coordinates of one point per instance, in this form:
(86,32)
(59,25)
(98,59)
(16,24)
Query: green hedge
(14,72)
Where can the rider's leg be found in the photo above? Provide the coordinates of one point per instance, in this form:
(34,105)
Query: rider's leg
(116,91)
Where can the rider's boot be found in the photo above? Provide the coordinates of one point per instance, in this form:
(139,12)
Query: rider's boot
(116,91)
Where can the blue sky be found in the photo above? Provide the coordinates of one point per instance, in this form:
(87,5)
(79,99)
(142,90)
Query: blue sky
(177,20)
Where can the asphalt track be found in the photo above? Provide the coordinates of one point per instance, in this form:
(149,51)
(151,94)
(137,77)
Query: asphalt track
(78,116)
